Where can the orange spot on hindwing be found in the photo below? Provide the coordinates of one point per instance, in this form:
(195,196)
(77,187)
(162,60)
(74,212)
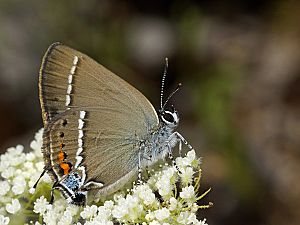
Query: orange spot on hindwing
(65,166)
(61,156)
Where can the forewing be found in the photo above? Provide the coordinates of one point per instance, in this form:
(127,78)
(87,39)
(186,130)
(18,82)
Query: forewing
(71,79)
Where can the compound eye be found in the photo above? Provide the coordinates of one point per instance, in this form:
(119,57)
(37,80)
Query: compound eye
(169,117)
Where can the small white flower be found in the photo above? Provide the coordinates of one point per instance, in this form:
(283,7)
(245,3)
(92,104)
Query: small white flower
(191,155)
(119,211)
(165,182)
(8,172)
(17,160)
(30,156)
(41,205)
(164,187)
(109,204)
(13,207)
(129,208)
(162,214)
(15,151)
(192,219)
(146,194)
(73,209)
(3,163)
(4,187)
(186,175)
(180,163)
(183,218)
(189,160)
(51,217)
(36,144)
(174,204)
(104,213)
(169,172)
(4,220)
(187,218)
(28,165)
(40,166)
(19,185)
(150,216)
(89,212)
(194,207)
(66,219)
(187,192)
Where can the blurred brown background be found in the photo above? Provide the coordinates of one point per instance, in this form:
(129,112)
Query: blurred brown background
(239,62)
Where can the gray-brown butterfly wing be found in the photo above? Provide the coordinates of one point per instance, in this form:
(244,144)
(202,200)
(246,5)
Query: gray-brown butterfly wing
(59,144)
(71,79)
(113,162)
(117,115)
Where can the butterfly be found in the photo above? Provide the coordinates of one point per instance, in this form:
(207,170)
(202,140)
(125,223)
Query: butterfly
(99,131)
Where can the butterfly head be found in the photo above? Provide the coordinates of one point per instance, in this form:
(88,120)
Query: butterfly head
(169,118)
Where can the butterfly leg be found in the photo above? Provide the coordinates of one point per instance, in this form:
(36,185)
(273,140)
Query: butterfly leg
(171,154)
(173,140)
(42,174)
(172,158)
(180,148)
(142,156)
(52,192)
(139,169)
(180,138)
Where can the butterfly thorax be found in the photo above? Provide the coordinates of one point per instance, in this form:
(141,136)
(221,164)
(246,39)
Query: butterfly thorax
(157,144)
(160,140)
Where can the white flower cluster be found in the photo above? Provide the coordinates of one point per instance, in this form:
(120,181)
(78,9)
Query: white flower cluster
(169,197)
(59,212)
(18,173)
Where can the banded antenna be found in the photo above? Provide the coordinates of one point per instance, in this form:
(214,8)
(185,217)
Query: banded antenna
(162,106)
(163,83)
(170,96)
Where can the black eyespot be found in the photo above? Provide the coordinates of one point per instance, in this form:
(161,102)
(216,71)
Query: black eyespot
(65,122)
(63,145)
(61,134)
(79,199)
